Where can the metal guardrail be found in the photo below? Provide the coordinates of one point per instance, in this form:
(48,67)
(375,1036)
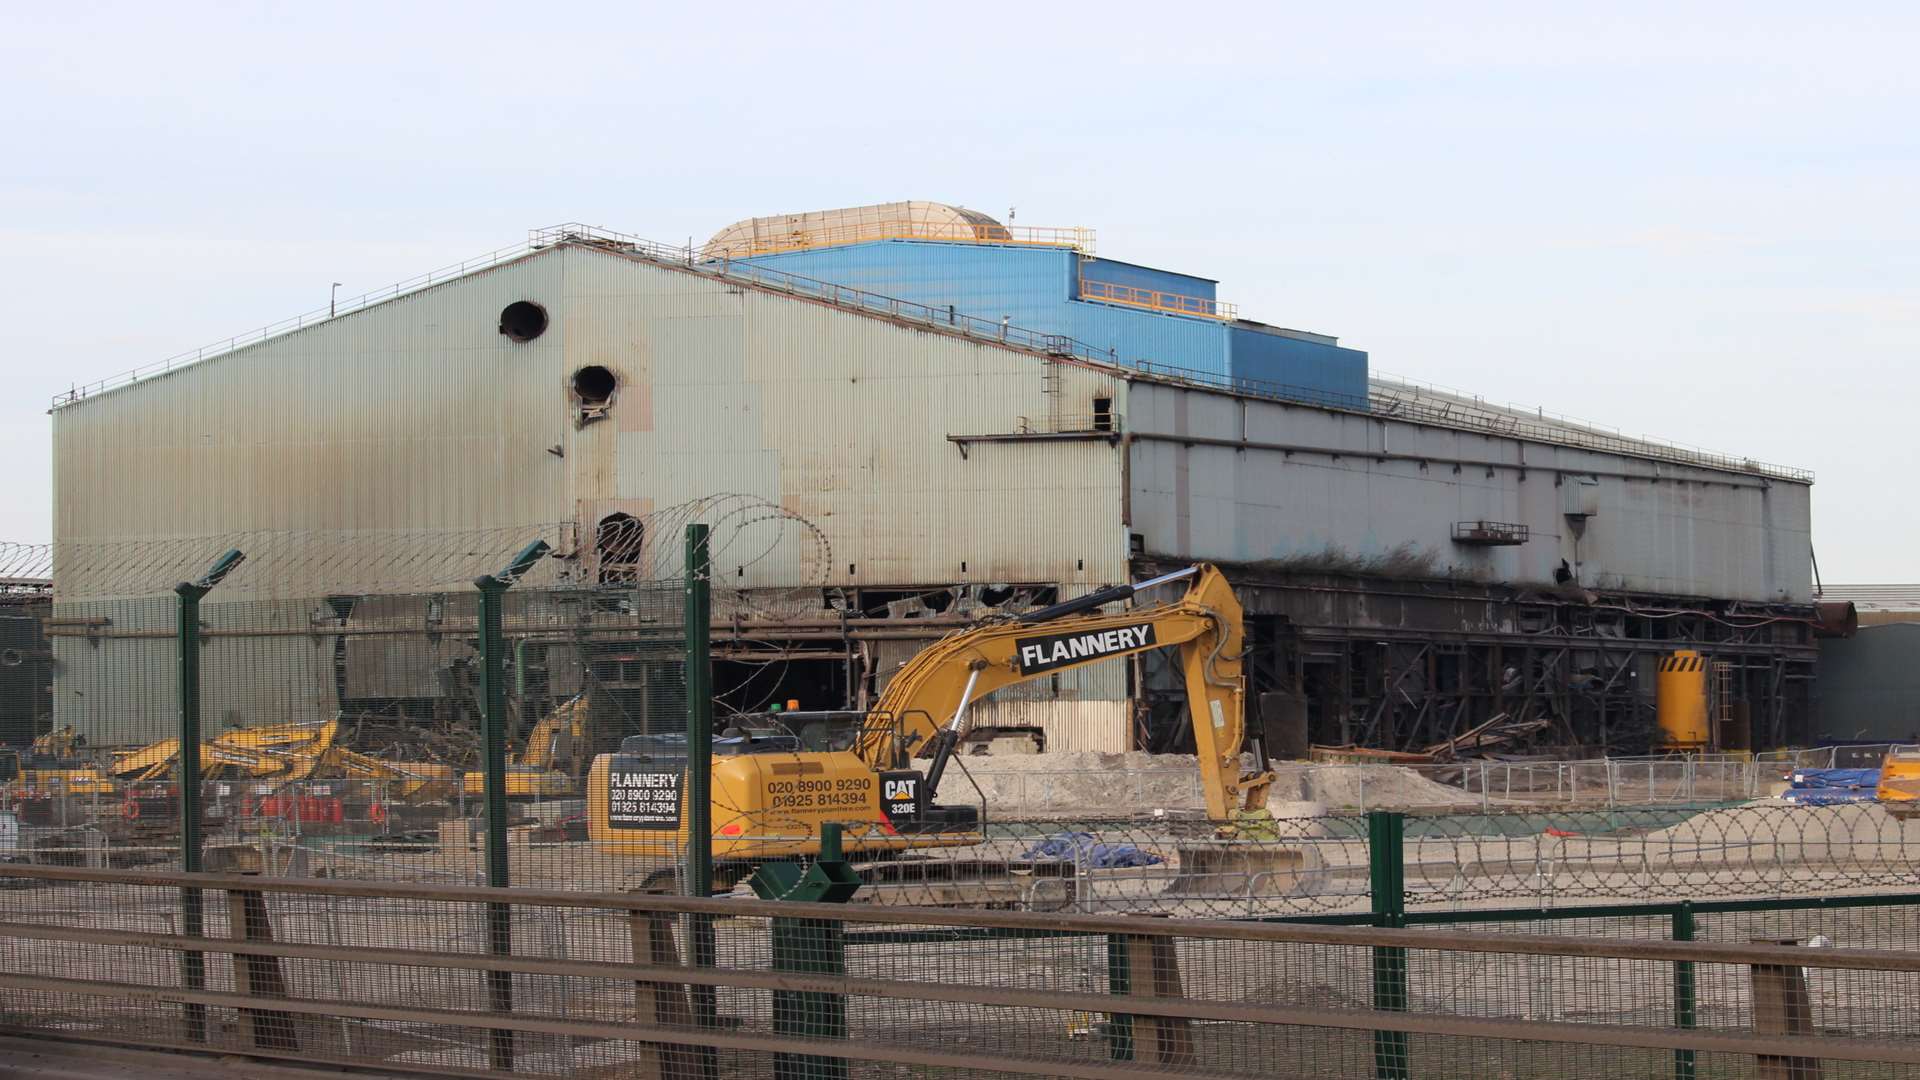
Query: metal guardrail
(291,324)
(382,975)
(1155,300)
(802,239)
(1394,396)
(1407,403)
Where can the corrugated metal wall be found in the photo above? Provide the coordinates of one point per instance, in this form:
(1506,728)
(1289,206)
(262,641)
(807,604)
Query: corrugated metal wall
(1026,284)
(1265,357)
(1868,686)
(417,418)
(1036,288)
(121,689)
(386,421)
(1032,287)
(844,420)
(1135,276)
(1311,486)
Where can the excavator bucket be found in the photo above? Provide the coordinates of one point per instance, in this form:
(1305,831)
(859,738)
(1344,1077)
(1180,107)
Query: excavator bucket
(1232,869)
(1254,856)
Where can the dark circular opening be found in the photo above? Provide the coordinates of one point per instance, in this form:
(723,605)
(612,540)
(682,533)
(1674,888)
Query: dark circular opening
(523,320)
(594,385)
(12,657)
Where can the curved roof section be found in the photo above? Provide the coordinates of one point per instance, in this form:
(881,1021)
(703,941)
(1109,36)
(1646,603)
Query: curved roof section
(912,220)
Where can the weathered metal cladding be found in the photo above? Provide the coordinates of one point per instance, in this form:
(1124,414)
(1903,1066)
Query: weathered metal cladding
(1064,724)
(1868,687)
(417,416)
(412,415)
(842,419)
(1211,476)
(122,688)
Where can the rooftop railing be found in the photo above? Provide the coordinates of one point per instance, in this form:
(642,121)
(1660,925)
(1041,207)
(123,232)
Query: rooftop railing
(957,232)
(1396,399)
(1154,300)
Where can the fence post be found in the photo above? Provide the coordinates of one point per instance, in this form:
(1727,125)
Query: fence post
(1683,990)
(493,737)
(1146,965)
(699,678)
(1387,882)
(193,913)
(259,976)
(698,869)
(1782,1006)
(1119,1029)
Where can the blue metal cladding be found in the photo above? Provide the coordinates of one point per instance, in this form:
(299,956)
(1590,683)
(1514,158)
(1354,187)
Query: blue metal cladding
(1028,286)
(1132,336)
(1035,288)
(1147,277)
(1271,362)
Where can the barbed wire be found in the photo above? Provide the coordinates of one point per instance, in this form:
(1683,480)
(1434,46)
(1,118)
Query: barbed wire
(746,531)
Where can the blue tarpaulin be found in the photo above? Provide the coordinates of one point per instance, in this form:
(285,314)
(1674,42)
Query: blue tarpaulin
(1836,778)
(1827,796)
(1083,850)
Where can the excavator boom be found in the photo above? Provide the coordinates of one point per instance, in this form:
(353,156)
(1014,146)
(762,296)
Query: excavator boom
(771,798)
(936,686)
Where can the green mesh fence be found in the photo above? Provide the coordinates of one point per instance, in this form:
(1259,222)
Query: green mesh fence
(342,744)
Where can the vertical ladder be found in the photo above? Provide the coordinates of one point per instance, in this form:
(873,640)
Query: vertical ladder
(1051,387)
(1722,702)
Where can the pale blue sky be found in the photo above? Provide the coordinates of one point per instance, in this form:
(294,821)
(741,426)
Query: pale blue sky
(1691,221)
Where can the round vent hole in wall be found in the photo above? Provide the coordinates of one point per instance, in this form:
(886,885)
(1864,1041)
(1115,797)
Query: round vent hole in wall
(594,385)
(523,320)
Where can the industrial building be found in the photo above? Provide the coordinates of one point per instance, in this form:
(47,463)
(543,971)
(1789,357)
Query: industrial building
(1868,684)
(967,416)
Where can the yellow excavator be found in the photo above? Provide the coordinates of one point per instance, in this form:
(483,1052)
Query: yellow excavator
(770,796)
(549,765)
(1899,788)
(54,765)
(283,753)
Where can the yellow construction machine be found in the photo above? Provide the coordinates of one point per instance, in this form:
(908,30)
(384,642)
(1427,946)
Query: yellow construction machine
(770,796)
(1899,787)
(549,765)
(284,753)
(54,765)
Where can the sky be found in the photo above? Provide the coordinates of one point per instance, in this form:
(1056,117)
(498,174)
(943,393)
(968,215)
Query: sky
(1690,221)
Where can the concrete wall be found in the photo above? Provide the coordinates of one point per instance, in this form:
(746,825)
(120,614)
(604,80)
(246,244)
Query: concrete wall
(1216,477)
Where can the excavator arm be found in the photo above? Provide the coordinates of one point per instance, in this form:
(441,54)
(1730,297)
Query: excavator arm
(926,702)
(280,751)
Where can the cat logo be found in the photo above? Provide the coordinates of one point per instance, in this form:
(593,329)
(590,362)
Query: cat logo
(900,795)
